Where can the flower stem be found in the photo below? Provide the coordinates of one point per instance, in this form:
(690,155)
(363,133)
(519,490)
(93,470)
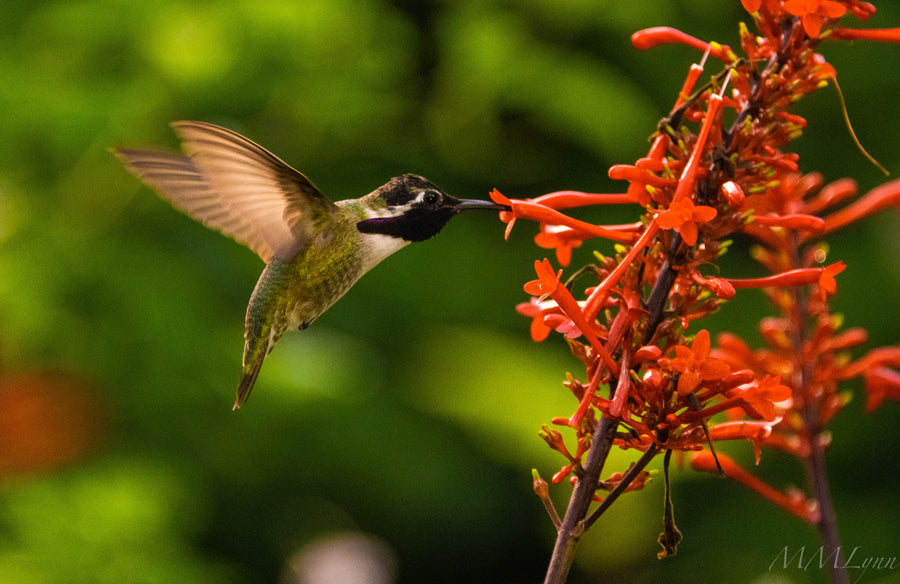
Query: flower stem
(573,523)
(815,460)
(827,523)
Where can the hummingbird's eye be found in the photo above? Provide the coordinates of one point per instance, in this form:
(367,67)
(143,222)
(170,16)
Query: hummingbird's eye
(431,197)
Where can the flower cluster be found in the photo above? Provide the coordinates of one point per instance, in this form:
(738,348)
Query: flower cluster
(648,368)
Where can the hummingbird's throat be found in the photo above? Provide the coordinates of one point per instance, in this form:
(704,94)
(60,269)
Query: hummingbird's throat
(416,224)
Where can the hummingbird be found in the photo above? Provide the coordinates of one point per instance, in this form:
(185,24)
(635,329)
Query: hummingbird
(314,249)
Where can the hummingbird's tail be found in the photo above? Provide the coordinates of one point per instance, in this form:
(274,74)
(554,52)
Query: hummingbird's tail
(253,360)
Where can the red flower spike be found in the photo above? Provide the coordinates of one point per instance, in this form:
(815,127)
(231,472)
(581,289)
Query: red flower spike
(742,173)
(695,365)
(683,216)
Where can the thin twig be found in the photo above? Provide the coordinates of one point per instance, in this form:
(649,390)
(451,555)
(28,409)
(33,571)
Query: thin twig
(626,481)
(815,461)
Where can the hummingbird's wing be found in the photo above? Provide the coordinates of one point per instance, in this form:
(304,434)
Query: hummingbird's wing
(235,186)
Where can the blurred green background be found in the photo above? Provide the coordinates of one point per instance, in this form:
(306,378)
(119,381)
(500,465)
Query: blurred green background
(407,414)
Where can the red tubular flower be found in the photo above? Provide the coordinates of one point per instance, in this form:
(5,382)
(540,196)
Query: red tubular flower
(883,356)
(523,209)
(751,6)
(734,194)
(799,277)
(567,199)
(695,365)
(560,238)
(644,176)
(548,284)
(653,162)
(755,432)
(508,217)
(683,216)
(887,35)
(798,222)
(585,402)
(830,194)
(742,430)
(760,399)
(794,502)
(688,179)
(721,287)
(690,81)
(601,293)
(537,311)
(827,283)
(879,198)
(881,382)
(554,440)
(814,12)
(664,35)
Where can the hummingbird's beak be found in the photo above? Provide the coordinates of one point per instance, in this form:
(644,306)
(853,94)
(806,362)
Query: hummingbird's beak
(466,204)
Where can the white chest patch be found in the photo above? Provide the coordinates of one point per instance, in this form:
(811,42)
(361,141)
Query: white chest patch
(376,247)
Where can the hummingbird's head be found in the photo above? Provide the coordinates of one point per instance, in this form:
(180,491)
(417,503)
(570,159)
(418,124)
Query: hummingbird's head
(413,209)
